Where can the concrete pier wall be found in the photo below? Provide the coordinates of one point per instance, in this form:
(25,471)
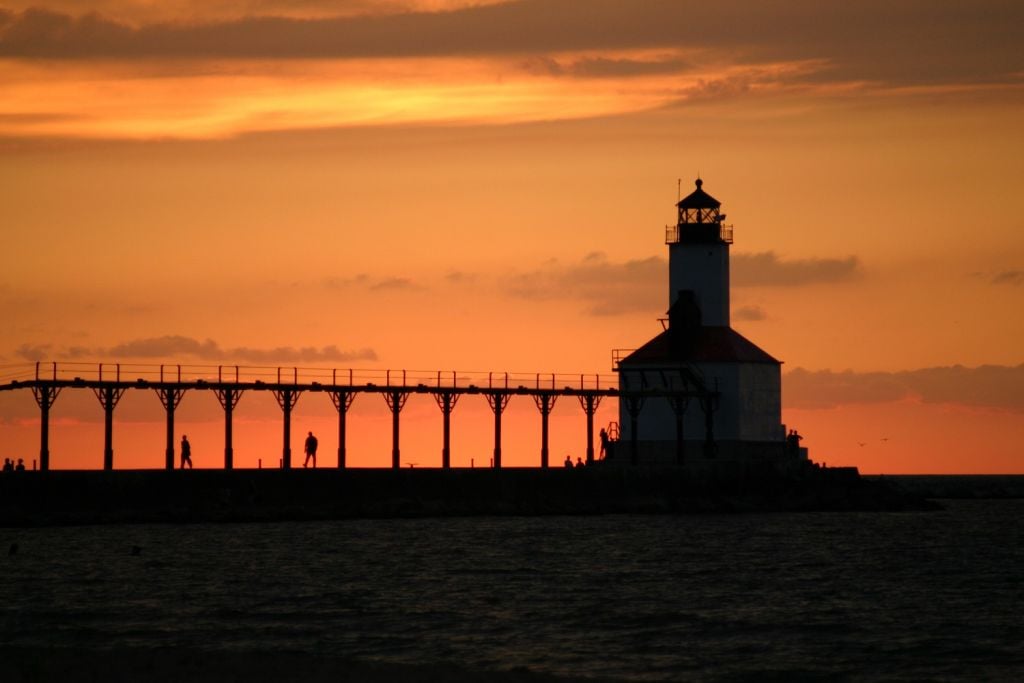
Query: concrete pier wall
(65,497)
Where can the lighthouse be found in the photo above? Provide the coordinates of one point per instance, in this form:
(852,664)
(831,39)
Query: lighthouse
(698,255)
(699,391)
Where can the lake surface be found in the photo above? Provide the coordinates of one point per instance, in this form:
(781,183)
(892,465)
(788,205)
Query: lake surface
(896,596)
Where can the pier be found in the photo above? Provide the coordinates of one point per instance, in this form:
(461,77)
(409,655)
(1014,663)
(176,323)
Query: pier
(110,381)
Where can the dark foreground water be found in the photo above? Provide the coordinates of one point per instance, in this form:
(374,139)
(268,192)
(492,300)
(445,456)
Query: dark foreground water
(901,596)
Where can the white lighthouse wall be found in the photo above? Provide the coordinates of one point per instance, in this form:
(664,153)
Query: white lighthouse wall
(760,402)
(703,269)
(749,407)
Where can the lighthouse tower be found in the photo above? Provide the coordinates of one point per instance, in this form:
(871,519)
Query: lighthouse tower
(699,390)
(698,256)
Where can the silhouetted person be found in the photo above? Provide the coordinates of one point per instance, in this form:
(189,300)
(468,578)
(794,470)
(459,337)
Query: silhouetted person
(20,467)
(579,462)
(8,465)
(311,444)
(793,442)
(604,442)
(568,462)
(186,452)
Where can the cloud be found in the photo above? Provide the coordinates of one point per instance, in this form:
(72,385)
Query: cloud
(173,347)
(14,118)
(458,277)
(34,352)
(160,347)
(604,67)
(1009,277)
(638,286)
(986,386)
(913,41)
(604,287)
(767,269)
(749,313)
(135,12)
(305,354)
(372,284)
(393,284)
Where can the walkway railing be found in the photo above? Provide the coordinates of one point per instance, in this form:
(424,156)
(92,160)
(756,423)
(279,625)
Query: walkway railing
(252,374)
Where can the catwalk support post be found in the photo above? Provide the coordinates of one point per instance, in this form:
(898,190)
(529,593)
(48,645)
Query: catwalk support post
(709,404)
(679,402)
(634,406)
(45,395)
(545,402)
(169,397)
(498,401)
(635,399)
(446,401)
(589,403)
(286,399)
(228,397)
(108,395)
(342,401)
(395,399)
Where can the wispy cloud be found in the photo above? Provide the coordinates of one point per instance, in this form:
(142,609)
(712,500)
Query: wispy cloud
(911,41)
(373,283)
(1009,277)
(394,284)
(604,287)
(139,12)
(986,386)
(460,277)
(252,69)
(615,288)
(605,67)
(749,313)
(768,269)
(173,347)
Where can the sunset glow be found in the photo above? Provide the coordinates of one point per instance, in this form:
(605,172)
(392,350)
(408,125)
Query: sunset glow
(482,186)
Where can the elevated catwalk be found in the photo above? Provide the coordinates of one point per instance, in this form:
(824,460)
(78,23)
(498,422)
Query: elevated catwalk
(109,382)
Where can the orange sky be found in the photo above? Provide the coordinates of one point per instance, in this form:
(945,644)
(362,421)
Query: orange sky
(484,185)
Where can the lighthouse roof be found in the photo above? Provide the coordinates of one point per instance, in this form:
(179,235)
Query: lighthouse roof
(699,199)
(717,344)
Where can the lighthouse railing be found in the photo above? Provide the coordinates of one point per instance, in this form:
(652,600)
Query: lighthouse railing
(705,231)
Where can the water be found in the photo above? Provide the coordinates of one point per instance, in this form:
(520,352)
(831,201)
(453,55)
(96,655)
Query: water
(905,596)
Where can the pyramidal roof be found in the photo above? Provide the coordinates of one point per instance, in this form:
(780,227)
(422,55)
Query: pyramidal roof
(709,345)
(699,199)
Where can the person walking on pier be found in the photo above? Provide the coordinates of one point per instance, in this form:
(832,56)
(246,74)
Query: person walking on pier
(8,465)
(186,452)
(311,444)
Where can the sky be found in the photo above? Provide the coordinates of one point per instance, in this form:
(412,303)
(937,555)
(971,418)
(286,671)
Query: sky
(482,186)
